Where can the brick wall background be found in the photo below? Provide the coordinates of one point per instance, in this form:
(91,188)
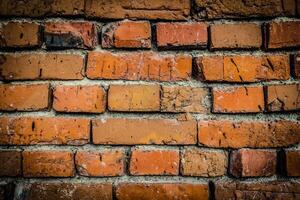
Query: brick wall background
(161,99)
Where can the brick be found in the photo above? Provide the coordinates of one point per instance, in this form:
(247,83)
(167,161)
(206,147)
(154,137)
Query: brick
(41,66)
(10,163)
(283,35)
(283,97)
(238,99)
(144,131)
(154,162)
(296,66)
(43,130)
(244,9)
(181,34)
(257,190)
(257,134)
(236,36)
(79,98)
(39,8)
(162,191)
(19,34)
(127,34)
(243,68)
(70,35)
(203,163)
(100,163)
(24,97)
(48,164)
(7,191)
(134,98)
(292,162)
(148,66)
(143,9)
(66,191)
(183,99)
(242,165)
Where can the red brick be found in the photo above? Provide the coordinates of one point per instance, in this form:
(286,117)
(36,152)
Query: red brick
(296,66)
(24,97)
(134,98)
(238,99)
(127,34)
(144,131)
(41,66)
(181,34)
(147,66)
(242,163)
(154,162)
(48,164)
(100,163)
(293,162)
(143,9)
(43,130)
(236,36)
(162,191)
(79,98)
(283,97)
(70,35)
(283,35)
(19,34)
(10,163)
(243,68)
(258,134)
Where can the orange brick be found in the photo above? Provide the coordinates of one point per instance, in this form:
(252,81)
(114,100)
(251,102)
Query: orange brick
(134,98)
(43,130)
(90,99)
(10,163)
(197,162)
(238,100)
(236,36)
(48,164)
(292,162)
(296,65)
(127,34)
(100,163)
(257,134)
(144,131)
(24,97)
(138,66)
(154,162)
(41,66)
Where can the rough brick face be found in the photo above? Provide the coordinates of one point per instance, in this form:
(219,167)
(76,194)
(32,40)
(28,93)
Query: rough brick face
(296,70)
(10,163)
(292,162)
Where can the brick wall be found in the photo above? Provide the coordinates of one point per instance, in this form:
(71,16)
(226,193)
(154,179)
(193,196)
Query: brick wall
(161,99)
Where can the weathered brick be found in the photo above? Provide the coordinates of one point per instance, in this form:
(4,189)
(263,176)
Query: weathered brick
(19,34)
(24,97)
(91,99)
(248,99)
(41,66)
(100,163)
(144,131)
(236,36)
(198,162)
(162,191)
(249,163)
(181,34)
(148,66)
(127,34)
(292,162)
(10,163)
(183,99)
(154,162)
(70,35)
(283,97)
(48,164)
(296,66)
(283,35)
(43,130)
(243,68)
(143,9)
(7,191)
(225,133)
(134,98)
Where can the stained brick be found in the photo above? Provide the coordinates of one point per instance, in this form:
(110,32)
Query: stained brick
(292,162)
(10,163)
(296,66)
